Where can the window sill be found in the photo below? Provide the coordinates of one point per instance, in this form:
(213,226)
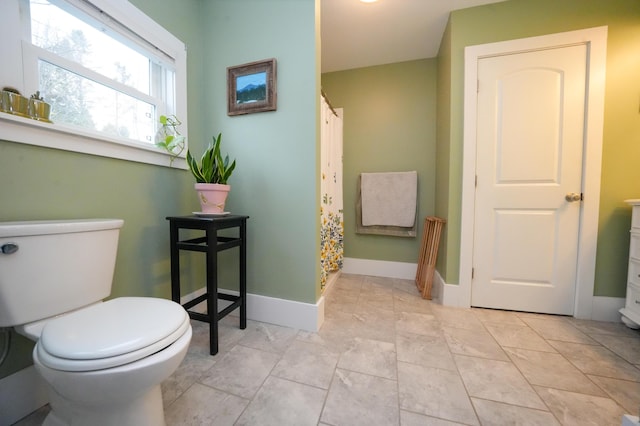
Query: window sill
(50,135)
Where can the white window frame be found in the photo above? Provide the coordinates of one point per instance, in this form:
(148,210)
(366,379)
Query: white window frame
(70,138)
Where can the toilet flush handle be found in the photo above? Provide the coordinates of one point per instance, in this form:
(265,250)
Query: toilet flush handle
(9,248)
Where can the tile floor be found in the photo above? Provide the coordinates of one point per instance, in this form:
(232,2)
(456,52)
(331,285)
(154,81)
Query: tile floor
(384,356)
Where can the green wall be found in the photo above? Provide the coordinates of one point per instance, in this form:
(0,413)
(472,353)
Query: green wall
(276,152)
(443,154)
(621,148)
(389,126)
(274,182)
(41,183)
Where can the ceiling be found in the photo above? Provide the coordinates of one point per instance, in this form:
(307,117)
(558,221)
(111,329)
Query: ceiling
(356,34)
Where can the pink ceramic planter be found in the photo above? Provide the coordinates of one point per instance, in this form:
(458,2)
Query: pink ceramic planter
(212,196)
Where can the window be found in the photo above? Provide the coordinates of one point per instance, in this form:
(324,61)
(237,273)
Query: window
(107,70)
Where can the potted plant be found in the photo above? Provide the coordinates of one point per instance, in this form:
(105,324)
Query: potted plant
(211,175)
(169,138)
(38,108)
(14,103)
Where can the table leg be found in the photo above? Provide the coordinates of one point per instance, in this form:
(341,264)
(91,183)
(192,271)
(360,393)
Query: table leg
(243,274)
(175,263)
(212,289)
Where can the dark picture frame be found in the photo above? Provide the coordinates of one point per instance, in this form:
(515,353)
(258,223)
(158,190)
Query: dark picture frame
(251,87)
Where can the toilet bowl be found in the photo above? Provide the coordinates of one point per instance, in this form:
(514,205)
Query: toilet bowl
(103,362)
(99,377)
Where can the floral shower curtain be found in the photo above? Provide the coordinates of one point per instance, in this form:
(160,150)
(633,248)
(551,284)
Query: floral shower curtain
(332,222)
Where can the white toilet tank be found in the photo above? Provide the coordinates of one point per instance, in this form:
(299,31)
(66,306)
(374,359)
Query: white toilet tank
(51,267)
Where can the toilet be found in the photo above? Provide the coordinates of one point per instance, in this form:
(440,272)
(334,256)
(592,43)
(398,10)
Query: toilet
(103,361)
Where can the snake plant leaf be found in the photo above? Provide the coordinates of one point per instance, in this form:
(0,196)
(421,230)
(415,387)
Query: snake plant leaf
(216,146)
(212,168)
(208,165)
(195,170)
(227,173)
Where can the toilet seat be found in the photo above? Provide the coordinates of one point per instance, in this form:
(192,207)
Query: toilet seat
(111,334)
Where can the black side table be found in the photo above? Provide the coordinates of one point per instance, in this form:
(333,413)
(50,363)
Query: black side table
(210,244)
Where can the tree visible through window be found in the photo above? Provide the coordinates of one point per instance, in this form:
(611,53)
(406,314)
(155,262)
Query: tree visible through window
(95,80)
(107,70)
(63,89)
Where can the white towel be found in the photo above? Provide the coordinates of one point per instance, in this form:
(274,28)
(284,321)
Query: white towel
(389,199)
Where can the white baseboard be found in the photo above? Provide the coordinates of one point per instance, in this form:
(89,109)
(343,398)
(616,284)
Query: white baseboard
(603,308)
(21,393)
(606,308)
(380,268)
(447,294)
(287,313)
(331,280)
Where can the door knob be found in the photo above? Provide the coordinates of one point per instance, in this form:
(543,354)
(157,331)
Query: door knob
(572,196)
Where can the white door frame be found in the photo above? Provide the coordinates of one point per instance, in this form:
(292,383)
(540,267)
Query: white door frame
(596,40)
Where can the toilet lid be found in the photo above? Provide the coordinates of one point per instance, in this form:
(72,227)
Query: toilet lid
(112,333)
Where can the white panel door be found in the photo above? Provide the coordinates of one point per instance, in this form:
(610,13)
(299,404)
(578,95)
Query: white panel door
(530,136)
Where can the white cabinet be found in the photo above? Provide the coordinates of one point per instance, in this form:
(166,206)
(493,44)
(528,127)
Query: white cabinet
(631,311)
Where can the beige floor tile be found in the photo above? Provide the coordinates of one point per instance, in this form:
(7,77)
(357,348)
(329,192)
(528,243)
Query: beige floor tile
(414,419)
(229,334)
(340,290)
(517,336)
(601,327)
(406,286)
(434,392)
(381,315)
(338,333)
(478,343)
(580,410)
(350,279)
(241,371)
(403,358)
(626,393)
(192,368)
(457,317)
(525,315)
(406,302)
(497,381)
(360,399)
(376,301)
(307,363)
(371,357)
(597,360)
(282,402)
(552,370)
(202,405)
(371,284)
(341,303)
(348,283)
(557,328)
(626,347)
(497,316)
(493,413)
(417,323)
(268,337)
(374,324)
(429,351)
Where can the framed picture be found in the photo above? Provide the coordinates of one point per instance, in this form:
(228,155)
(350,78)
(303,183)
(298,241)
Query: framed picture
(251,87)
